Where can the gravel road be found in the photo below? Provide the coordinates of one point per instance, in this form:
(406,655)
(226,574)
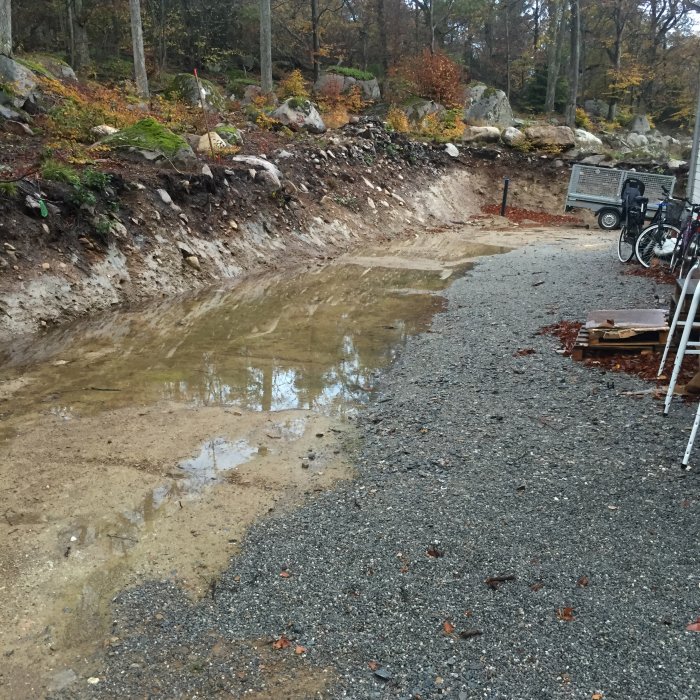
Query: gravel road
(472,462)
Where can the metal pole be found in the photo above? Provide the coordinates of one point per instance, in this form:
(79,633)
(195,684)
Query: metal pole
(693,190)
(506,181)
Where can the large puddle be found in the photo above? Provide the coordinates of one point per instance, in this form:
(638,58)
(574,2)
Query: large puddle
(143,443)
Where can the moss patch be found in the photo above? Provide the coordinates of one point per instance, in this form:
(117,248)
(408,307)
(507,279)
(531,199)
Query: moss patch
(351,72)
(229,134)
(184,86)
(149,135)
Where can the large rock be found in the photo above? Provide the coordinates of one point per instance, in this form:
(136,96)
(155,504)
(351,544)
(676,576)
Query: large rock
(640,124)
(21,82)
(184,86)
(230,134)
(487,105)
(211,141)
(637,141)
(154,142)
(272,174)
(297,114)
(512,136)
(548,136)
(587,142)
(596,108)
(48,65)
(481,134)
(334,83)
(420,109)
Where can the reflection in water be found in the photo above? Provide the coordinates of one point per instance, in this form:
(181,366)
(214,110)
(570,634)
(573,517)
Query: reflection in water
(312,342)
(216,456)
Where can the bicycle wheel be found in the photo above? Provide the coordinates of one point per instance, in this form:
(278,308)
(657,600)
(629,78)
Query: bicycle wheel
(656,243)
(625,245)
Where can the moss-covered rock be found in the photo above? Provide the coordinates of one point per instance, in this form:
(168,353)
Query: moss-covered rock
(151,136)
(184,86)
(47,65)
(229,134)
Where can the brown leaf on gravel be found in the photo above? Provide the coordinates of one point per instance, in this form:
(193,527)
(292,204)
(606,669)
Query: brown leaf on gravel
(694,626)
(281,643)
(537,586)
(467,634)
(435,551)
(524,351)
(597,696)
(448,627)
(284,574)
(582,582)
(565,614)
(298,649)
(373,665)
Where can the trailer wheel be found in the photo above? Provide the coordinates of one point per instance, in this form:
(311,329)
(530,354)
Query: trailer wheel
(609,219)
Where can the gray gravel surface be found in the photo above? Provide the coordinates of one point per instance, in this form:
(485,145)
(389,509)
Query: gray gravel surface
(473,462)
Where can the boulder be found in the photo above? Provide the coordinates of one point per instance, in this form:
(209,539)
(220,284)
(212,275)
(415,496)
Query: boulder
(49,65)
(250,93)
(548,136)
(22,84)
(103,130)
(512,136)
(274,173)
(297,113)
(674,164)
(184,86)
(211,141)
(488,106)
(153,141)
(636,140)
(417,111)
(587,142)
(594,160)
(481,134)
(336,83)
(370,89)
(597,108)
(230,134)
(640,124)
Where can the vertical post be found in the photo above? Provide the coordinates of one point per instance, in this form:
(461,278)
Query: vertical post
(694,170)
(504,201)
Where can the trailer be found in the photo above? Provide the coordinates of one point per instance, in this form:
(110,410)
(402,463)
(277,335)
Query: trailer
(599,188)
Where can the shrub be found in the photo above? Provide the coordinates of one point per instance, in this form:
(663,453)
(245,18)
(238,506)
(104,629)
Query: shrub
(433,76)
(444,126)
(583,121)
(397,120)
(351,72)
(60,172)
(293,85)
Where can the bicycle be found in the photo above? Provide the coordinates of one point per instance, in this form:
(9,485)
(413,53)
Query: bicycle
(633,213)
(687,247)
(659,240)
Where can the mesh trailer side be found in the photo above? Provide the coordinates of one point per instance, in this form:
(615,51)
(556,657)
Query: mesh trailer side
(591,181)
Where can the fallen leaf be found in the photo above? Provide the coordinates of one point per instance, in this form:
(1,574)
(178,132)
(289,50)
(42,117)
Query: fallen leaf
(435,551)
(298,649)
(597,696)
(524,351)
(284,574)
(566,614)
(448,627)
(281,643)
(466,634)
(373,665)
(694,626)
(583,581)
(537,586)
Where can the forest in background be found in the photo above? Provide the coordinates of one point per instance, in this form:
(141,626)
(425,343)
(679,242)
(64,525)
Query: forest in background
(635,56)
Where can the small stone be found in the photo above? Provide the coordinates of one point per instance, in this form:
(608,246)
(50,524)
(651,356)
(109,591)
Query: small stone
(383,673)
(252,173)
(193,262)
(206,171)
(233,225)
(165,197)
(93,680)
(304,464)
(45,266)
(451,150)
(371,203)
(45,228)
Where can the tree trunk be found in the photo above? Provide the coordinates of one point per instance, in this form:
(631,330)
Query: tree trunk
(81,50)
(508,51)
(431,19)
(265,47)
(554,56)
(383,48)
(574,64)
(315,41)
(137,43)
(6,27)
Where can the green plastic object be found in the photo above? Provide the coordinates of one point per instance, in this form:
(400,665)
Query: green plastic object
(42,208)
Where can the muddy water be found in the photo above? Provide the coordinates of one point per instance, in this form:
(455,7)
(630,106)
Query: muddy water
(142,444)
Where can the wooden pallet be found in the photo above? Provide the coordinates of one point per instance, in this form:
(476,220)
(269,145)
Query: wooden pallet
(586,345)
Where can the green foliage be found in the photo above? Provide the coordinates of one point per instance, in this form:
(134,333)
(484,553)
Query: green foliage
(351,72)
(95,180)
(238,81)
(149,135)
(583,121)
(60,172)
(229,134)
(8,189)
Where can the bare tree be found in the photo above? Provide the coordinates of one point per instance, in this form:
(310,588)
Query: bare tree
(79,50)
(137,43)
(6,27)
(265,46)
(556,43)
(574,63)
